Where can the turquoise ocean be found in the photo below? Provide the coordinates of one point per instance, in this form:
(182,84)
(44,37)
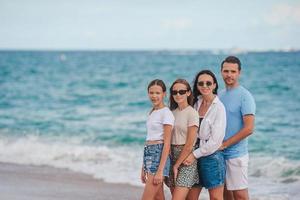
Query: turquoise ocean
(86,110)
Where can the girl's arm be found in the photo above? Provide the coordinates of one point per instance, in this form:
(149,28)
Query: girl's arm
(143,175)
(188,147)
(158,178)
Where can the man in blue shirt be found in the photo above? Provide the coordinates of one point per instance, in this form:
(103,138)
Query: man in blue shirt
(240,114)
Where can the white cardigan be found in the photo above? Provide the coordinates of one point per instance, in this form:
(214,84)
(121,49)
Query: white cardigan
(212,129)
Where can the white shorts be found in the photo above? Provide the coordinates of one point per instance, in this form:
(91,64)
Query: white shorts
(237,173)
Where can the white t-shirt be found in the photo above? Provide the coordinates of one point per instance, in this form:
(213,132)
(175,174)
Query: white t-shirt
(156,121)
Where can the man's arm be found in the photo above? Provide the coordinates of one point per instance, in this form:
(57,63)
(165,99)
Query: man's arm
(243,133)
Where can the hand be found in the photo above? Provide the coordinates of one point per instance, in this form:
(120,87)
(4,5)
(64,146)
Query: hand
(189,160)
(222,147)
(158,178)
(143,176)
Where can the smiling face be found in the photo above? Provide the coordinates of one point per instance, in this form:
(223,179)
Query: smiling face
(156,96)
(206,84)
(230,73)
(182,93)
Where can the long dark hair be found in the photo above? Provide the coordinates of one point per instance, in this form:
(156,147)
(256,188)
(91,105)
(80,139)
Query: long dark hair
(159,83)
(173,104)
(196,92)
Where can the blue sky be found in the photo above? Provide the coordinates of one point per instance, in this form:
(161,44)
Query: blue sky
(155,24)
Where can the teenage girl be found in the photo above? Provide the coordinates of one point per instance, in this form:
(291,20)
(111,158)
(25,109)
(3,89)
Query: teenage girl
(182,177)
(156,162)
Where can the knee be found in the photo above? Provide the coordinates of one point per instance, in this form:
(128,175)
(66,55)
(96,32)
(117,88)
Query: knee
(228,195)
(241,196)
(215,198)
(159,196)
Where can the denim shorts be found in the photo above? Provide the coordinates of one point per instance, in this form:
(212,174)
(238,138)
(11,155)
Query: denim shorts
(152,155)
(211,170)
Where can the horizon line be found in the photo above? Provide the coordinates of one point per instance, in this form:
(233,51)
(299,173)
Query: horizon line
(212,50)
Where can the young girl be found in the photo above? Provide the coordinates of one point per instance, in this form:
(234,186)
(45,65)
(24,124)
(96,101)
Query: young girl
(156,162)
(184,134)
(211,164)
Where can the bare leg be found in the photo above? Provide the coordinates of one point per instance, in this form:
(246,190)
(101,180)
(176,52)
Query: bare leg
(241,194)
(160,194)
(150,189)
(180,193)
(194,193)
(216,193)
(228,195)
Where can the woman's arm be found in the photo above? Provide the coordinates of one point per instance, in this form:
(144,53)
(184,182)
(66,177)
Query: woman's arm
(217,133)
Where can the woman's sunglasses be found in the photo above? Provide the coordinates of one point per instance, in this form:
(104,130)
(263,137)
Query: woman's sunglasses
(181,92)
(207,83)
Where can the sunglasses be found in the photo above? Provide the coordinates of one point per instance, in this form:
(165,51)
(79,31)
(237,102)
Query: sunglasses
(207,83)
(181,92)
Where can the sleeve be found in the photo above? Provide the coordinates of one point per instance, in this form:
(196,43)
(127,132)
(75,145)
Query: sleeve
(248,104)
(193,118)
(168,118)
(217,135)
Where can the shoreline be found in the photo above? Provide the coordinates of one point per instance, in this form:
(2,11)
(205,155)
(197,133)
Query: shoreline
(29,182)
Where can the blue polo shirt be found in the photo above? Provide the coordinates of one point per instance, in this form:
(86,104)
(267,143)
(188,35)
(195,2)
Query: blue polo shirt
(238,102)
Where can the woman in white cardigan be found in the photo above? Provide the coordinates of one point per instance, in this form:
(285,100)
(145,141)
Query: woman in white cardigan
(211,164)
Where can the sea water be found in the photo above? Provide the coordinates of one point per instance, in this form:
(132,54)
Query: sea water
(86,111)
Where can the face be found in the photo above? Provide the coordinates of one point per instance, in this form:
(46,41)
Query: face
(156,95)
(181,93)
(230,73)
(206,84)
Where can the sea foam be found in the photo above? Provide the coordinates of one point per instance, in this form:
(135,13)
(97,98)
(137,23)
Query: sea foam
(117,163)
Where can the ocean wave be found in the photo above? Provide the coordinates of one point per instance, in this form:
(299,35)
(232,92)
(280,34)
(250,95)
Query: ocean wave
(119,163)
(278,169)
(270,178)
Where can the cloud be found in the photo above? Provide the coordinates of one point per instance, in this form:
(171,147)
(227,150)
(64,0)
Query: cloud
(283,14)
(176,24)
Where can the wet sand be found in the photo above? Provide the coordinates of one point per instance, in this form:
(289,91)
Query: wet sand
(21,182)
(26,182)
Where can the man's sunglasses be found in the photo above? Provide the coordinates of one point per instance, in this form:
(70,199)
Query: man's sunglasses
(207,83)
(181,92)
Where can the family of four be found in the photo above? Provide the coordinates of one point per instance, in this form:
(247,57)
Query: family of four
(200,140)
